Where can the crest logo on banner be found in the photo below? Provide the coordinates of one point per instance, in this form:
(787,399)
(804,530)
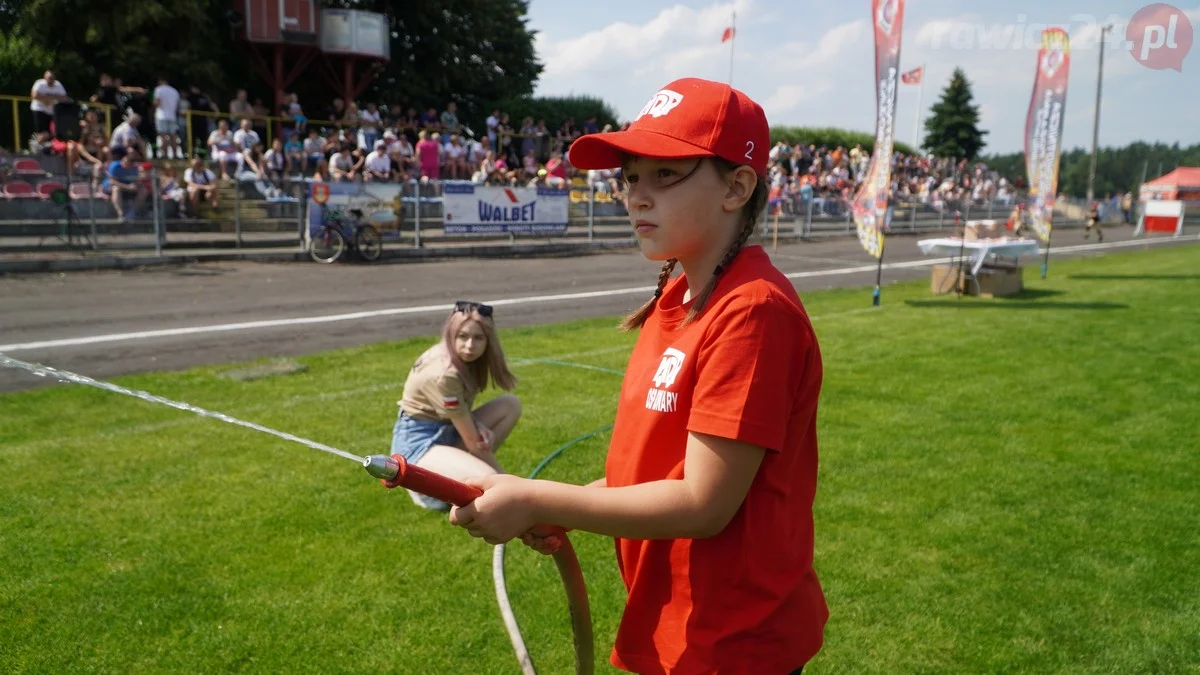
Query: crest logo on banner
(886,16)
(320,193)
(1052,60)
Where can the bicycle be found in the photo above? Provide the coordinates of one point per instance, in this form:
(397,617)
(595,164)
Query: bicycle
(330,240)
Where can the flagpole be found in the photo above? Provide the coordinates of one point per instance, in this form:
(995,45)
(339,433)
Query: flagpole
(920,99)
(732,40)
(1049,236)
(878,274)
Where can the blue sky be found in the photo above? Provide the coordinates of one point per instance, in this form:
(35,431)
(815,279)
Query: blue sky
(811,63)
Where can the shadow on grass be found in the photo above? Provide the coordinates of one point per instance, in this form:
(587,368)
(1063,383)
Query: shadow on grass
(1012,302)
(1032,294)
(1137,277)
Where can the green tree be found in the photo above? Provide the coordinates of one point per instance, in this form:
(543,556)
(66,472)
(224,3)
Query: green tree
(953,128)
(131,39)
(831,137)
(1118,170)
(22,62)
(556,110)
(10,13)
(472,52)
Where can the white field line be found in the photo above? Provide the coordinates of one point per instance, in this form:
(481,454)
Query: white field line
(529,300)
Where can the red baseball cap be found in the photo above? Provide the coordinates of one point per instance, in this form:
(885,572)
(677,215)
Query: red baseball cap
(689,117)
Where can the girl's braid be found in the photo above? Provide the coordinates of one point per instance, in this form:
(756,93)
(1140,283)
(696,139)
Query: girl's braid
(664,275)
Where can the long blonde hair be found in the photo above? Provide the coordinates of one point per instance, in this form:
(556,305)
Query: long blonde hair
(491,365)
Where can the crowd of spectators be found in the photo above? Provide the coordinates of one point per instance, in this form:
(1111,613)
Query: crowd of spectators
(348,141)
(397,143)
(827,178)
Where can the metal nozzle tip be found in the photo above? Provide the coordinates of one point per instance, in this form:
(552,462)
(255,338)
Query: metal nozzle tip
(381,466)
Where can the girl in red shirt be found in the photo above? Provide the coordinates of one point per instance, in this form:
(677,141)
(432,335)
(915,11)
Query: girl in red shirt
(712,468)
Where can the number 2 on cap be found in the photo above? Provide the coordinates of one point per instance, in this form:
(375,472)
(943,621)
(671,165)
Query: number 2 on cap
(749,149)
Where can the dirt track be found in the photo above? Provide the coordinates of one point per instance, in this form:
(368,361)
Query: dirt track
(54,308)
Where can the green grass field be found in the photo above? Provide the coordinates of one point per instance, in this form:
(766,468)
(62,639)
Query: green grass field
(1006,486)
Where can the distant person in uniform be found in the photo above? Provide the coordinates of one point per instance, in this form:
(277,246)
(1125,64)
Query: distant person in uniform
(1093,221)
(1016,220)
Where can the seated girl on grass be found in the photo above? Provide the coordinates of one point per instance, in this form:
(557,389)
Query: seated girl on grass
(437,428)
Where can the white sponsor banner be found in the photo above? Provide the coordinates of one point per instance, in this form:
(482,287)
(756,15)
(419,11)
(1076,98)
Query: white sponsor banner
(481,209)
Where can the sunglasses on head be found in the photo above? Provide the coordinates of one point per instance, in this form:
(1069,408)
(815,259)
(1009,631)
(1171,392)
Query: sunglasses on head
(464,306)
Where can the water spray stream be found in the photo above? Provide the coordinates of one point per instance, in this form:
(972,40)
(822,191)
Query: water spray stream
(394,471)
(65,376)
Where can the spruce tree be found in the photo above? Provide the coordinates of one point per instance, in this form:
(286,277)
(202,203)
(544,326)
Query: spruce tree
(953,128)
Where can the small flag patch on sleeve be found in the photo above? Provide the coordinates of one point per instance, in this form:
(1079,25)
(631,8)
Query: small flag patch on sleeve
(450,402)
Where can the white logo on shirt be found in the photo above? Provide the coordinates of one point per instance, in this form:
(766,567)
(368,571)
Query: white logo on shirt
(668,369)
(662,103)
(661,400)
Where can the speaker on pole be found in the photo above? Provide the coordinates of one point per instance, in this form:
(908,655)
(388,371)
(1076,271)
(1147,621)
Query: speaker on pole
(66,121)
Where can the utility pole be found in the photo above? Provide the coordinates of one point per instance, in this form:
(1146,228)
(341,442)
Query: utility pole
(1091,186)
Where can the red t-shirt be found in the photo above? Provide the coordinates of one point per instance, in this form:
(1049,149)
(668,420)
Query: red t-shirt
(746,600)
(556,167)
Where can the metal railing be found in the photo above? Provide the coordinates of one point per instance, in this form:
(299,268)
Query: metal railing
(253,213)
(831,216)
(19,107)
(196,125)
(71,211)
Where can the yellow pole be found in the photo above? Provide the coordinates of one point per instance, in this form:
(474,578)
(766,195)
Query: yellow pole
(16,126)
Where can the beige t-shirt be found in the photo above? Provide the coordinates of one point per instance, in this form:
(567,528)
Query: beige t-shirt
(435,390)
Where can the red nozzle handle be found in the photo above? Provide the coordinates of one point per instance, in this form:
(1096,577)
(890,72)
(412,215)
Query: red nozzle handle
(431,484)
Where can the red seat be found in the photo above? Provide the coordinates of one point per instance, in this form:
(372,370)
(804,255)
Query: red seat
(19,189)
(81,191)
(28,167)
(45,188)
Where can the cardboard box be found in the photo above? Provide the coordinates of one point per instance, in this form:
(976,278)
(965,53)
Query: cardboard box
(993,281)
(945,279)
(984,229)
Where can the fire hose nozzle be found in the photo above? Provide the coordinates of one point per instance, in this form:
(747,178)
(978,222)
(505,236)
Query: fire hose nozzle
(395,472)
(382,467)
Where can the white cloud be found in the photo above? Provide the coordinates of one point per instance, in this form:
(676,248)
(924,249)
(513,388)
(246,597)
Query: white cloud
(625,63)
(942,32)
(815,68)
(673,31)
(789,96)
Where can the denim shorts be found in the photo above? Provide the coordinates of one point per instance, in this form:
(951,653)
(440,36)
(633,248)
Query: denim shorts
(412,438)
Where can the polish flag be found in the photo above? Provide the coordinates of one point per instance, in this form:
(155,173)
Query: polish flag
(913,76)
(727,35)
